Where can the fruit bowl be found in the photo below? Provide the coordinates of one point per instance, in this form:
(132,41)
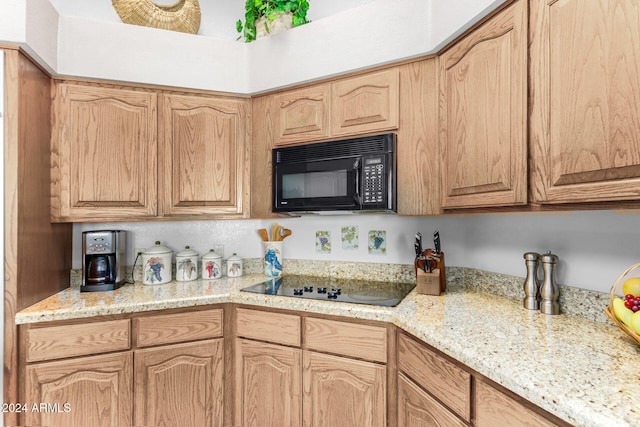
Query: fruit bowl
(618,292)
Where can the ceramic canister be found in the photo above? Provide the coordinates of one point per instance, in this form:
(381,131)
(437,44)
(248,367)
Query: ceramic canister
(234,266)
(156,265)
(211,265)
(186,265)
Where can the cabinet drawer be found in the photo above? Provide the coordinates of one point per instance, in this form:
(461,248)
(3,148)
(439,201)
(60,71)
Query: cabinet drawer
(179,327)
(56,342)
(495,408)
(416,407)
(347,339)
(265,326)
(441,378)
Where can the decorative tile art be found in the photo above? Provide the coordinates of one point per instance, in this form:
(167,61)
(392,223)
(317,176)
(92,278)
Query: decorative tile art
(377,242)
(323,242)
(350,238)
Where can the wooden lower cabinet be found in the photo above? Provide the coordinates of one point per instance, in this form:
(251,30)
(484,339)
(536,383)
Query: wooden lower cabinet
(416,408)
(268,381)
(343,392)
(180,385)
(87,391)
(494,408)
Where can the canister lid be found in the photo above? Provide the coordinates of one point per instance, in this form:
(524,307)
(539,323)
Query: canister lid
(234,257)
(187,252)
(212,254)
(158,248)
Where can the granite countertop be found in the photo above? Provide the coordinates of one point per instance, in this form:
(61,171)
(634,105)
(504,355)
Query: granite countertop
(582,371)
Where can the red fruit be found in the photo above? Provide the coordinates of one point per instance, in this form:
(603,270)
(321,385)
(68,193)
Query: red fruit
(629,304)
(628,296)
(635,308)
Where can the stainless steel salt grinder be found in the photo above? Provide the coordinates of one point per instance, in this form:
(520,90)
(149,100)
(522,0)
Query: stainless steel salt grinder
(549,291)
(531,283)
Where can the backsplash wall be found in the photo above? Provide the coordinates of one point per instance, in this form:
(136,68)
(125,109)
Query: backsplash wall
(594,247)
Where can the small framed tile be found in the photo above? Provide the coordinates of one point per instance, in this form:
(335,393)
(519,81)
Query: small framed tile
(350,238)
(377,242)
(323,242)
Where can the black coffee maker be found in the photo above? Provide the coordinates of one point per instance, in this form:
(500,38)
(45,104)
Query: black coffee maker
(103,254)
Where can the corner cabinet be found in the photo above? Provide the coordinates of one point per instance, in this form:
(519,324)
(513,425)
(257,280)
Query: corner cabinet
(116,157)
(483,114)
(585,114)
(103,153)
(204,160)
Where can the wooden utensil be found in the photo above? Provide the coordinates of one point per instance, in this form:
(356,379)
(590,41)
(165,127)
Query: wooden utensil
(284,233)
(263,234)
(275,232)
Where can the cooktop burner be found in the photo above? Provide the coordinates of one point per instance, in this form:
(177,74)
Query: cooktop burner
(343,290)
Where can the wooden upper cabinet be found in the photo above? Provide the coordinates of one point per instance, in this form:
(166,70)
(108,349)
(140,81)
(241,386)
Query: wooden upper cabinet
(302,115)
(585,117)
(103,153)
(204,156)
(483,114)
(368,103)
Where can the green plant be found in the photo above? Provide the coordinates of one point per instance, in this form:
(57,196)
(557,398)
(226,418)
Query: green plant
(270,9)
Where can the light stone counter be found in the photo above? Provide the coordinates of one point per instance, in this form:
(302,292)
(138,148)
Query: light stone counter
(582,371)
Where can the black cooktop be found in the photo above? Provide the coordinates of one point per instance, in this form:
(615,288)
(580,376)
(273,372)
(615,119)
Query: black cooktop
(343,290)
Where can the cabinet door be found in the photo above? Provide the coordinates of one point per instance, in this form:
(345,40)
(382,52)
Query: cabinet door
(204,156)
(343,392)
(494,408)
(417,151)
(262,142)
(86,391)
(268,385)
(103,154)
(585,118)
(302,115)
(416,408)
(180,385)
(368,103)
(483,114)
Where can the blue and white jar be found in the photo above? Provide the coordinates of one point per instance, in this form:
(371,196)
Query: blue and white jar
(273,259)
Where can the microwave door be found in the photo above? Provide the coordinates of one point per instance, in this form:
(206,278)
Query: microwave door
(320,185)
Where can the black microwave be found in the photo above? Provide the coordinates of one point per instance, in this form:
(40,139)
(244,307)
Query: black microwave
(357,174)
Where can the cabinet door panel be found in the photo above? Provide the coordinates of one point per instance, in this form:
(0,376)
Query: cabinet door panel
(483,114)
(417,409)
(343,392)
(302,115)
(494,408)
(104,152)
(268,384)
(448,382)
(204,156)
(97,390)
(368,103)
(180,385)
(585,120)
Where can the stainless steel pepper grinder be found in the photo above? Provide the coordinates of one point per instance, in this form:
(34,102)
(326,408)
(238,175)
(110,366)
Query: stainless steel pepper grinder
(531,283)
(549,291)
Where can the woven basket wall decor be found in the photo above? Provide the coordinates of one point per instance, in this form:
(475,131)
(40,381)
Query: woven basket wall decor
(183,16)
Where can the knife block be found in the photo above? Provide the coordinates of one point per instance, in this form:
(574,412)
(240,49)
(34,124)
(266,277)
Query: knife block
(434,282)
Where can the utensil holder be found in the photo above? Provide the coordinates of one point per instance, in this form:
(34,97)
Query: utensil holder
(432,282)
(273,259)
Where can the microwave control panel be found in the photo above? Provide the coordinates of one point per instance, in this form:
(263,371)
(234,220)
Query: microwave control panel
(373,179)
